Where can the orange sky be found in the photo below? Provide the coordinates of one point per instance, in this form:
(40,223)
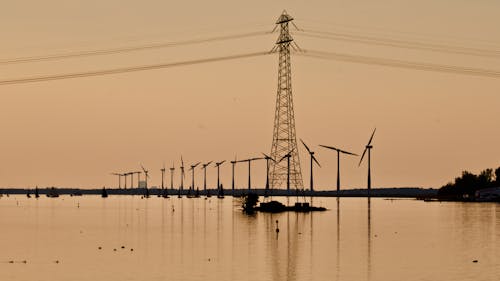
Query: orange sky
(430,126)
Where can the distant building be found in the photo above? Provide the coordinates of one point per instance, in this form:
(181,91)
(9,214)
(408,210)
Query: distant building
(488,194)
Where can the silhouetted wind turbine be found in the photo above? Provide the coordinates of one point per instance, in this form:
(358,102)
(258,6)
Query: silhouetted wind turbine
(162,179)
(369,148)
(119,179)
(172,177)
(182,177)
(219,192)
(311,153)
(204,167)
(287,156)
(338,162)
(131,179)
(146,176)
(234,164)
(192,173)
(249,170)
(125,175)
(138,177)
(267,172)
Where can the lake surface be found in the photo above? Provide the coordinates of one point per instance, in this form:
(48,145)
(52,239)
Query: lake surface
(211,239)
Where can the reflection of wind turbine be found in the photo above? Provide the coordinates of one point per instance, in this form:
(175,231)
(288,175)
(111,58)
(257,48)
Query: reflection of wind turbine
(119,179)
(338,162)
(204,167)
(192,173)
(249,169)
(267,172)
(220,192)
(311,153)
(369,148)
(287,156)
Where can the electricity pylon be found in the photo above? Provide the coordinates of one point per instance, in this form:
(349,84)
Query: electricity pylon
(284,136)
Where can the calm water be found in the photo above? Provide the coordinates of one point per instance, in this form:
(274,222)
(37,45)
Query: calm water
(198,239)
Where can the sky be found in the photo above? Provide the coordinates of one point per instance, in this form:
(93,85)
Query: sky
(76,132)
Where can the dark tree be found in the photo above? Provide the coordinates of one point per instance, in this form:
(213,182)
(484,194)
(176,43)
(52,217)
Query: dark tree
(497,177)
(466,185)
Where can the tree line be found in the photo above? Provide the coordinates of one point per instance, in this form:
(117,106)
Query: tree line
(468,183)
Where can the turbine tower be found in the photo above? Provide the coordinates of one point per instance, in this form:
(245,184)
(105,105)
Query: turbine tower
(284,136)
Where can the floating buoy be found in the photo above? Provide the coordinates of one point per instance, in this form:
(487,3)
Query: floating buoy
(475,261)
(100,248)
(277,228)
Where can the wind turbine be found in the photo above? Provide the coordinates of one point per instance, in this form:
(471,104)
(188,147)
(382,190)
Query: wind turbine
(311,153)
(369,148)
(172,177)
(249,169)
(125,175)
(219,187)
(267,172)
(138,177)
(119,179)
(287,156)
(338,162)
(192,174)
(146,176)
(204,167)
(162,179)
(234,164)
(131,179)
(182,177)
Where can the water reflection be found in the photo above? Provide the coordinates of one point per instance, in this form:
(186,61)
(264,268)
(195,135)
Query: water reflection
(338,238)
(369,254)
(394,242)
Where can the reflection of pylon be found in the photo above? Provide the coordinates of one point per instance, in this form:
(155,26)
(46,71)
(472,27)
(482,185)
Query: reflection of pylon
(284,139)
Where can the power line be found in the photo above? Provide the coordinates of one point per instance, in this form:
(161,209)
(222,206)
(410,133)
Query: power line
(401,63)
(129,49)
(399,43)
(125,69)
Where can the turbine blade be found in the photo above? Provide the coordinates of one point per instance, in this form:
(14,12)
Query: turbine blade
(347,152)
(371,138)
(315,160)
(286,155)
(268,157)
(362,156)
(329,147)
(308,150)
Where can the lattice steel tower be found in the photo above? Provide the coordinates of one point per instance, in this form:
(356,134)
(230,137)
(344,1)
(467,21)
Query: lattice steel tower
(284,139)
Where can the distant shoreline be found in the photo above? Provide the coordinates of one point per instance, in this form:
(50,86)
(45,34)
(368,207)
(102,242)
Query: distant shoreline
(402,192)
